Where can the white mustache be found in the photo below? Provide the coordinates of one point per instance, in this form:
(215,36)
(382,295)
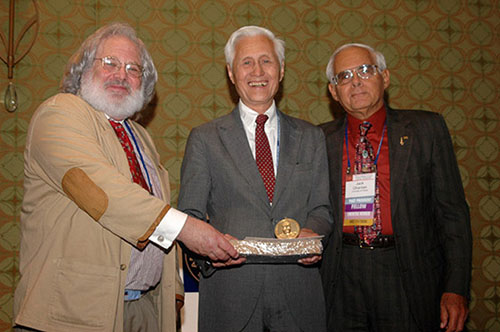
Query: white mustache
(119,83)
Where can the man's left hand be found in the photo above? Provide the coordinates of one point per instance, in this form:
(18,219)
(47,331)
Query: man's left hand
(454,312)
(306,232)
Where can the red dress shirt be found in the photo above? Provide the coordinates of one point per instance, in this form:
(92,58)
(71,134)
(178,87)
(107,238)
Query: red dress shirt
(374,135)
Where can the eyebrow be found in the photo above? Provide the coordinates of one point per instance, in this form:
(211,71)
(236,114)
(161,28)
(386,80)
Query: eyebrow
(124,62)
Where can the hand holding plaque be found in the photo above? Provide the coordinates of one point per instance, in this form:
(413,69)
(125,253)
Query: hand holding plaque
(285,248)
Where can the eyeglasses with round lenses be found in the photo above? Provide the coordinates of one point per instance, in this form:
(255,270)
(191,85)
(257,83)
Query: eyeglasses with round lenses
(111,65)
(364,71)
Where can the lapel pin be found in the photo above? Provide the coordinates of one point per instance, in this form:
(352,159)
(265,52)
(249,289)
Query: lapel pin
(402,140)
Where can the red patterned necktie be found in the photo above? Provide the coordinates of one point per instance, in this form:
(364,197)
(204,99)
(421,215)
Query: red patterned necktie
(135,169)
(365,163)
(263,156)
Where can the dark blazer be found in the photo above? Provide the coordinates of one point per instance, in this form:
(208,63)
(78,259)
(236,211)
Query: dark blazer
(220,179)
(430,216)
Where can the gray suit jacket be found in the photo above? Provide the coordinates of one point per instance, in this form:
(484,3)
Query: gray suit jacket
(220,180)
(430,216)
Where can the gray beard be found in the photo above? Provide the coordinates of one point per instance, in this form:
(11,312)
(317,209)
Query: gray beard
(96,96)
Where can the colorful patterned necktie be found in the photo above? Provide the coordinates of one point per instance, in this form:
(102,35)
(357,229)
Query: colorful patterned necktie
(365,163)
(135,169)
(263,156)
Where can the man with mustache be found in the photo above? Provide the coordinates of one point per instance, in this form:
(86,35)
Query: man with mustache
(246,171)
(97,230)
(399,257)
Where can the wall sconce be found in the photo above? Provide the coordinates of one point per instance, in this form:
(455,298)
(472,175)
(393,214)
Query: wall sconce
(10,98)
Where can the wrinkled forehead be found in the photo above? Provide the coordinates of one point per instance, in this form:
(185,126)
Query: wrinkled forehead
(119,46)
(353,57)
(254,46)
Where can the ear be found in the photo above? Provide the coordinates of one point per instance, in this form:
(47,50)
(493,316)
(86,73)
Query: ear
(282,71)
(386,76)
(333,91)
(230,73)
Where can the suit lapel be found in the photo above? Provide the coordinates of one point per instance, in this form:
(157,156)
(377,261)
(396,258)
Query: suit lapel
(289,145)
(233,137)
(400,145)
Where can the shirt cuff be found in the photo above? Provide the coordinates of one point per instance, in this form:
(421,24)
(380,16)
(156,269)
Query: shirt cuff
(168,229)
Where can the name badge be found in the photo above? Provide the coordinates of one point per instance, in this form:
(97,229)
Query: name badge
(359,199)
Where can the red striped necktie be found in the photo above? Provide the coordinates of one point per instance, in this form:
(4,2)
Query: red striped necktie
(133,163)
(263,156)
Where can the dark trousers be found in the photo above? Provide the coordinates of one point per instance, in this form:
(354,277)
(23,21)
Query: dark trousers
(19,328)
(369,296)
(271,313)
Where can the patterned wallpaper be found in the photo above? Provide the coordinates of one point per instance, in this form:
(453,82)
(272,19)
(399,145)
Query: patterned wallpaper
(443,56)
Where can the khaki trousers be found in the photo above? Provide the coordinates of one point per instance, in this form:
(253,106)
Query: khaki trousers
(140,315)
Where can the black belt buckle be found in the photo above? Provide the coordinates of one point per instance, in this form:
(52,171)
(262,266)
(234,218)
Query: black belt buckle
(364,245)
(381,241)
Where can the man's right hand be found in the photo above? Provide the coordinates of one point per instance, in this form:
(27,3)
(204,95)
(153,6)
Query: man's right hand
(203,239)
(230,261)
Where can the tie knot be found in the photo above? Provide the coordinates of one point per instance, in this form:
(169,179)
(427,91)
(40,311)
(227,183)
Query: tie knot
(261,119)
(364,127)
(116,125)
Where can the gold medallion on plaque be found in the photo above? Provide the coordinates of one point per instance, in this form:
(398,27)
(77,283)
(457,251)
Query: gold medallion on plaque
(287,228)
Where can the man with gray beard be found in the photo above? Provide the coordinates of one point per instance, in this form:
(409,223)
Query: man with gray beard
(97,229)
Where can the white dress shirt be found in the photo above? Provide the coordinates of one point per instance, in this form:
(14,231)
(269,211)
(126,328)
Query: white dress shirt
(271,127)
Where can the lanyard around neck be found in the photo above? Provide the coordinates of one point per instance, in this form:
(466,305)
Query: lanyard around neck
(136,145)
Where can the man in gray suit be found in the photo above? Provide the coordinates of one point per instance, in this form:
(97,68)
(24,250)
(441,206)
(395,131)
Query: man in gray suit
(408,266)
(221,181)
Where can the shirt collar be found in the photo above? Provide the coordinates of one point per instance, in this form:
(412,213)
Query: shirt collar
(248,115)
(377,120)
(110,118)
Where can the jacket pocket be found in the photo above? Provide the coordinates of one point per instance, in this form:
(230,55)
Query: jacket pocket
(84,294)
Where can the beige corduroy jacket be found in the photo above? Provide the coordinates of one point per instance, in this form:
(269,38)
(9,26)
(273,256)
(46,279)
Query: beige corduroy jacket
(80,217)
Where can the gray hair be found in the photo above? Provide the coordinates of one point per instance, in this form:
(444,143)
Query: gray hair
(82,60)
(251,31)
(378,57)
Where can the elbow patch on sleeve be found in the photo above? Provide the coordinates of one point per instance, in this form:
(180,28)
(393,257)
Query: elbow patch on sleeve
(85,193)
(144,240)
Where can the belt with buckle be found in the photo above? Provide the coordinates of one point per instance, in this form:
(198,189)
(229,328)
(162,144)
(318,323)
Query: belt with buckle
(133,294)
(381,241)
